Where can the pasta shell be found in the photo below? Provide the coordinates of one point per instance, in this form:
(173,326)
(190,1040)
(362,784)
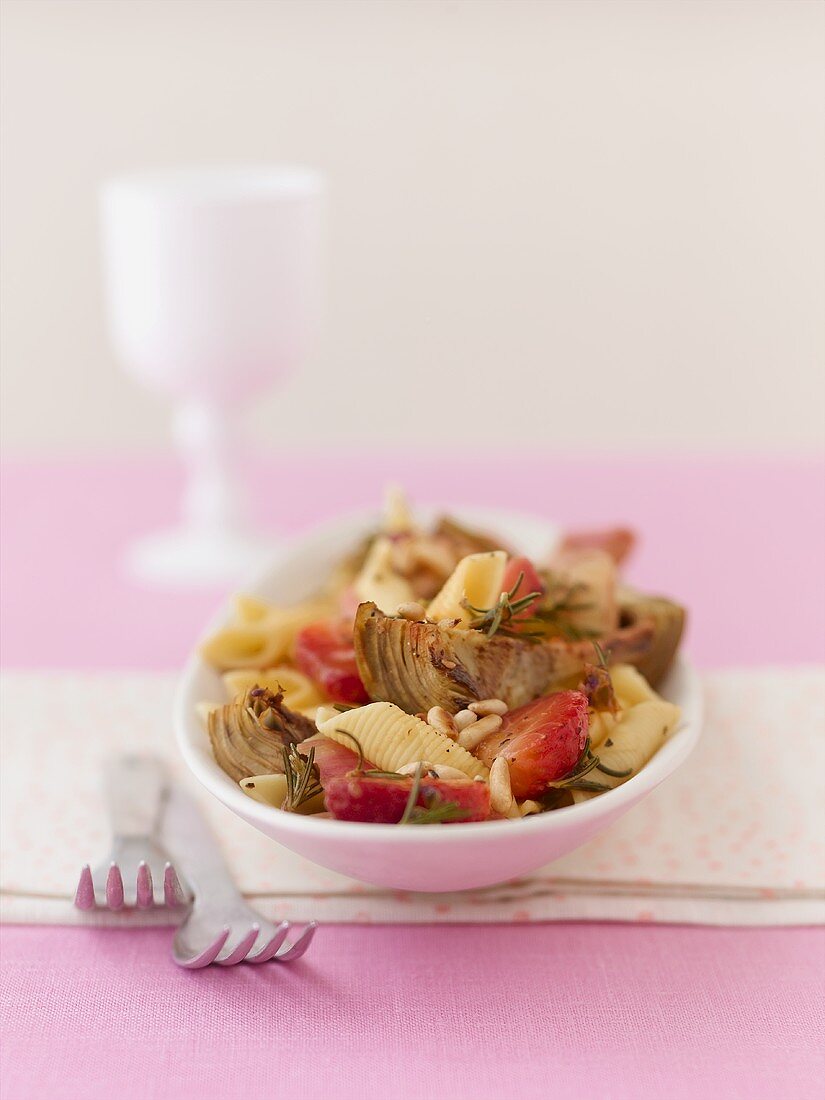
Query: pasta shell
(390,739)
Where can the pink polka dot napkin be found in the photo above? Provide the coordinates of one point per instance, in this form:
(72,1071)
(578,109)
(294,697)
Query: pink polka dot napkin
(737,836)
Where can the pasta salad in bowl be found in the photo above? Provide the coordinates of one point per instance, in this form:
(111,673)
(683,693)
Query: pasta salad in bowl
(475,675)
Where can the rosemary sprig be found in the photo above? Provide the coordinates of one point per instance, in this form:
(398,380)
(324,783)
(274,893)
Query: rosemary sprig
(373,773)
(413,797)
(303,780)
(610,771)
(585,764)
(547,621)
(345,733)
(586,785)
(492,619)
(434,812)
(437,813)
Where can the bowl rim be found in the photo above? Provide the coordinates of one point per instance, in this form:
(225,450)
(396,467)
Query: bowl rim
(270,819)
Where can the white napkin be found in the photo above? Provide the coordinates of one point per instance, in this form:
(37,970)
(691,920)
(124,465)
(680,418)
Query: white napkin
(737,836)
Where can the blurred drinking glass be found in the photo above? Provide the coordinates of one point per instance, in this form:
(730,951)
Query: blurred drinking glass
(212,281)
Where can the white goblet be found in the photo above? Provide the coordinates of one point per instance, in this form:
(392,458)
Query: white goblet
(212,281)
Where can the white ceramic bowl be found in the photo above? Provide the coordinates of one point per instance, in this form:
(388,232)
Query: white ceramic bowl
(450,857)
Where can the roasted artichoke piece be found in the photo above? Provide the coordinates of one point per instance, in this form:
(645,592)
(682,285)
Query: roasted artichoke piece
(421,665)
(667,619)
(417,665)
(248,736)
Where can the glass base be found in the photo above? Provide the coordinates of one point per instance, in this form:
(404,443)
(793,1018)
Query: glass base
(190,558)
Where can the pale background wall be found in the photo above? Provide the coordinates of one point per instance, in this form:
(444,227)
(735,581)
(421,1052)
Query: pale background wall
(596,223)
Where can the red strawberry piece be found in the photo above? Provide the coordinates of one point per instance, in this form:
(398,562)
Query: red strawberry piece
(325,652)
(530,582)
(541,741)
(358,797)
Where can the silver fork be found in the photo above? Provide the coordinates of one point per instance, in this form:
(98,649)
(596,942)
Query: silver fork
(137,871)
(220,927)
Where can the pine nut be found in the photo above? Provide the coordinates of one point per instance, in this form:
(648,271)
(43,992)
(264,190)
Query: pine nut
(414,612)
(439,719)
(474,734)
(528,806)
(465,718)
(447,624)
(501,793)
(489,706)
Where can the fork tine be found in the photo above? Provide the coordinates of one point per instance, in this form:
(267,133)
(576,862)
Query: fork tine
(269,950)
(145,897)
(114,888)
(172,889)
(207,956)
(299,947)
(84,897)
(242,950)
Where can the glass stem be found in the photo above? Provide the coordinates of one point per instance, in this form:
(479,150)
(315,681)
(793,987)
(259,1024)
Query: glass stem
(212,496)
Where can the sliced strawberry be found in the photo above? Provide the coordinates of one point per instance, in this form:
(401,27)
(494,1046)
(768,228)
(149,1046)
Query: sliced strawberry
(325,652)
(541,741)
(333,760)
(530,582)
(617,541)
(359,797)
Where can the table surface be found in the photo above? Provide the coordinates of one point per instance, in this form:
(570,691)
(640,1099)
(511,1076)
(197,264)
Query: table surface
(601,1010)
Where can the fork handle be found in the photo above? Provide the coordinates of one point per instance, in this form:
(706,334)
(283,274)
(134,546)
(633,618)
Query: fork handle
(196,851)
(135,789)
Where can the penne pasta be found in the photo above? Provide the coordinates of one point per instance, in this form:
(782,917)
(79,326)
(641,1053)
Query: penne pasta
(398,517)
(630,686)
(476,579)
(378,581)
(631,743)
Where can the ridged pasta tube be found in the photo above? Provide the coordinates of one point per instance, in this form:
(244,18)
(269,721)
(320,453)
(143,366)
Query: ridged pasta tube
(634,739)
(630,686)
(398,518)
(390,739)
(476,579)
(378,581)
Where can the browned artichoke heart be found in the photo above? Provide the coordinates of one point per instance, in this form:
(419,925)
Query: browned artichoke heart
(418,665)
(637,611)
(421,665)
(248,736)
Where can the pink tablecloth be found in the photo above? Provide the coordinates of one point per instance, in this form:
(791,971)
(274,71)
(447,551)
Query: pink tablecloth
(460,1012)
